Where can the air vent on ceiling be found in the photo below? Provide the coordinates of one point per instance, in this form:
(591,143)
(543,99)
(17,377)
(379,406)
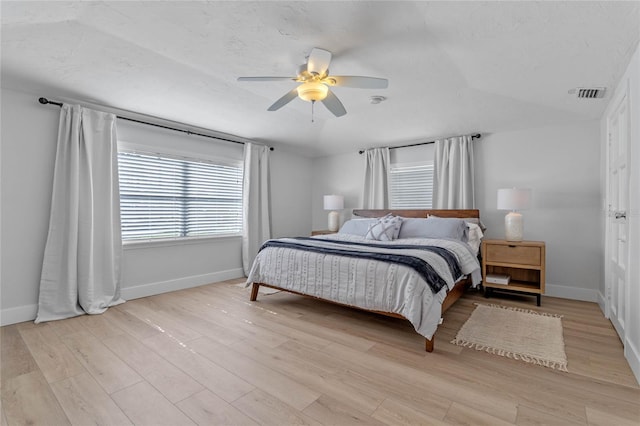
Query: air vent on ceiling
(588,92)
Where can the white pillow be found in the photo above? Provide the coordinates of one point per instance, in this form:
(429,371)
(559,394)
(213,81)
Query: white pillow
(477,222)
(385,229)
(474,236)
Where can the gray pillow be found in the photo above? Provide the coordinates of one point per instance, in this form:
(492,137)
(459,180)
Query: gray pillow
(357,226)
(433,227)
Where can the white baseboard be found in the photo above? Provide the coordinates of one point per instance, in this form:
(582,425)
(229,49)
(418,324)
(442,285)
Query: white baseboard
(18,314)
(28,312)
(602,302)
(573,293)
(151,289)
(633,358)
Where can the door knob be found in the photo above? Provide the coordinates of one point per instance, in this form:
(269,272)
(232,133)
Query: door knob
(620,215)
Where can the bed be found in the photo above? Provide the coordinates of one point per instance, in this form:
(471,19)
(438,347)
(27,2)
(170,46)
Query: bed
(410,264)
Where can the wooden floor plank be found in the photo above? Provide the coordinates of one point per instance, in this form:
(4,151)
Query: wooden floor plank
(205,408)
(266,409)
(367,364)
(3,417)
(144,405)
(325,381)
(208,355)
(601,418)
(533,416)
(15,357)
(256,373)
(169,380)
(328,410)
(101,326)
(28,400)
(131,324)
(143,309)
(52,356)
(395,413)
(85,402)
(108,370)
(220,381)
(460,414)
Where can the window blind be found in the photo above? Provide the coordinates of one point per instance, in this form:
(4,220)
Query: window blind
(411,186)
(171,197)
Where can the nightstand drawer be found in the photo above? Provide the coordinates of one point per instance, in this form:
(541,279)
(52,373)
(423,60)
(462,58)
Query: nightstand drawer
(516,254)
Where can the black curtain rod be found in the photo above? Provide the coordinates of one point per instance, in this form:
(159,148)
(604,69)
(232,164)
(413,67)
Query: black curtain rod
(476,136)
(45,101)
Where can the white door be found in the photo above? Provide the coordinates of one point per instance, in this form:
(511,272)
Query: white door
(617,234)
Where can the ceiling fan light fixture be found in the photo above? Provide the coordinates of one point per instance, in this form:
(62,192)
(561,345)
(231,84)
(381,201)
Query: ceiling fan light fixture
(312,91)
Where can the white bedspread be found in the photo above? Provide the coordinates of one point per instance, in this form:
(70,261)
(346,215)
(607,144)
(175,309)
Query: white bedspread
(366,283)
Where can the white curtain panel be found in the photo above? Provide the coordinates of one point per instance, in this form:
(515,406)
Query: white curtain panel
(82,257)
(453,181)
(376,179)
(255,203)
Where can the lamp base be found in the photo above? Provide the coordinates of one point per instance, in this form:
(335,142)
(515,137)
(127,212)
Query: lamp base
(513,227)
(334,221)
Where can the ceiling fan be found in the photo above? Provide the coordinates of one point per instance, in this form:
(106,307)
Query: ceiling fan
(315,79)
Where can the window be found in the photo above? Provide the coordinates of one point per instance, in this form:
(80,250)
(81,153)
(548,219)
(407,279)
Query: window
(411,186)
(164,196)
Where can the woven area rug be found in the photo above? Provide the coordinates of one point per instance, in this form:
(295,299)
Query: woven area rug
(515,333)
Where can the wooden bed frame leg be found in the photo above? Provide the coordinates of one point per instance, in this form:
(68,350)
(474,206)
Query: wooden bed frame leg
(254,292)
(428,344)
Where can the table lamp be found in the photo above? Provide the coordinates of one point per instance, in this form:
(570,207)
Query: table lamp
(513,199)
(334,203)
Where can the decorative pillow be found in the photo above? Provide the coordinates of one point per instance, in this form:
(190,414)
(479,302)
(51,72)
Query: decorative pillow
(434,227)
(357,226)
(385,229)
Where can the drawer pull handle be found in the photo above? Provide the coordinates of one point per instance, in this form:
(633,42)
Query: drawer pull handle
(512,246)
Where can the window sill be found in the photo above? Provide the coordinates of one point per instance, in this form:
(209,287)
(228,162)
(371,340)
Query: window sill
(145,244)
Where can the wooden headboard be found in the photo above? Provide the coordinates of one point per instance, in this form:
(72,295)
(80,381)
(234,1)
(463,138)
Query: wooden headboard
(419,213)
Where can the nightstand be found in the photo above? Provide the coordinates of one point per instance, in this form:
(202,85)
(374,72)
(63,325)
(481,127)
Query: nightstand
(322,232)
(522,261)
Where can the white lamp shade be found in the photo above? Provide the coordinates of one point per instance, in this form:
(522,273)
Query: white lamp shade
(333,202)
(514,198)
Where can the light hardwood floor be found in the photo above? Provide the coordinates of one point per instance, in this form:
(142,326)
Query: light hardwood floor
(209,356)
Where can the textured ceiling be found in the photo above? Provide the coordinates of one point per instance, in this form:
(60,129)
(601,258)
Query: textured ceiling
(453,67)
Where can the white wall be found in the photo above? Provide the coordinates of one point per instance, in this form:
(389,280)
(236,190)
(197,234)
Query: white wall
(290,195)
(341,175)
(560,164)
(29,132)
(28,139)
(344,175)
(630,80)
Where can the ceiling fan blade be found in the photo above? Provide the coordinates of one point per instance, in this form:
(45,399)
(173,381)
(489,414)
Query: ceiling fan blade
(334,105)
(266,78)
(284,100)
(359,82)
(318,61)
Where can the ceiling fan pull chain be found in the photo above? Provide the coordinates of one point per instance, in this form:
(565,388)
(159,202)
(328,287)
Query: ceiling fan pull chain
(312,104)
